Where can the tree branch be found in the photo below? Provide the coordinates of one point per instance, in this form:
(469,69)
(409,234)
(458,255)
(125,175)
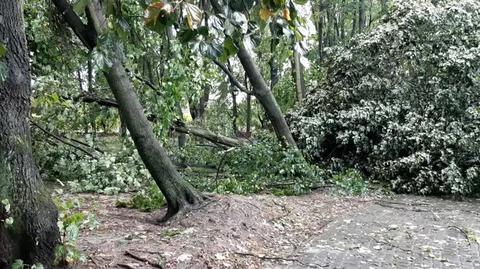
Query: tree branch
(56,137)
(208,135)
(232,77)
(86,33)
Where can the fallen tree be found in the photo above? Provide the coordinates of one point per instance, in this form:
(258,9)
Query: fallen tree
(222,140)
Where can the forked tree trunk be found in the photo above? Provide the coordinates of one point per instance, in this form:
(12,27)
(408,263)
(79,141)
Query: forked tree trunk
(265,97)
(34,234)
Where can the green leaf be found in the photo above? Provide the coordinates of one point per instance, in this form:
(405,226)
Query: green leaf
(229,49)
(3,50)
(80,6)
(300,2)
(18,264)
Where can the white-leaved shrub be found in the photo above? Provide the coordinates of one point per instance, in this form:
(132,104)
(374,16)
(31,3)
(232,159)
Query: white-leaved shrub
(402,103)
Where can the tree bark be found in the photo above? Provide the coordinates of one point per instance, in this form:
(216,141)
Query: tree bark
(198,110)
(233,94)
(354,20)
(182,138)
(34,234)
(266,98)
(321,42)
(298,75)
(178,193)
(362,17)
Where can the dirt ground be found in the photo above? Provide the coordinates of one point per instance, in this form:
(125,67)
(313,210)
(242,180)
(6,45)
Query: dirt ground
(229,232)
(319,230)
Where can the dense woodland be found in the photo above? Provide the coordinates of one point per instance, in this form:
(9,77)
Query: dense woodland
(174,101)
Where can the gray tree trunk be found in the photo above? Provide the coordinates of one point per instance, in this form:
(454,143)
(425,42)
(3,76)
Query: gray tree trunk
(362,17)
(178,193)
(265,97)
(299,77)
(34,234)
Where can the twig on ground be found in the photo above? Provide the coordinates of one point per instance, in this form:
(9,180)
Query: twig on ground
(389,244)
(388,204)
(123,265)
(284,208)
(142,259)
(263,257)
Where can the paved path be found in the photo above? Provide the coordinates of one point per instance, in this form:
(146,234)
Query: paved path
(403,232)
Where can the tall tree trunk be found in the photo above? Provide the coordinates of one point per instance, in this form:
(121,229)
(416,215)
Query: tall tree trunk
(34,234)
(249,108)
(298,76)
(261,91)
(330,25)
(249,114)
(233,93)
(384,4)
(362,17)
(342,22)
(370,15)
(265,97)
(197,110)
(178,193)
(274,74)
(321,22)
(354,20)
(182,138)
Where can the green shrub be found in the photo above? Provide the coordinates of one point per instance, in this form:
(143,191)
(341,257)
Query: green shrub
(350,182)
(70,222)
(402,104)
(145,200)
(267,166)
(109,173)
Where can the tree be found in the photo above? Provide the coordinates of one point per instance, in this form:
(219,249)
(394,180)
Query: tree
(179,193)
(34,233)
(362,17)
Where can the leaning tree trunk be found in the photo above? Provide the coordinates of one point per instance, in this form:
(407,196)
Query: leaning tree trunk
(265,97)
(178,193)
(34,233)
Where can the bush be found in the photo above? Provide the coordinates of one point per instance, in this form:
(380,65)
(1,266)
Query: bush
(145,200)
(267,166)
(402,104)
(109,173)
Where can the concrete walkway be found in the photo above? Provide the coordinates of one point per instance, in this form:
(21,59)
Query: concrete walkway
(402,232)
